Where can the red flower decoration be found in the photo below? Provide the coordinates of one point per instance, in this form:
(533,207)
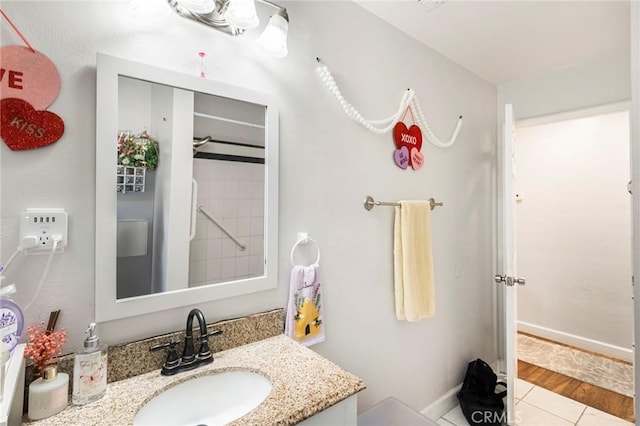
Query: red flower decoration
(43,345)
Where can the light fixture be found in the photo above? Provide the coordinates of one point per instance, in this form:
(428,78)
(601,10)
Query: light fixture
(236,16)
(274,38)
(242,14)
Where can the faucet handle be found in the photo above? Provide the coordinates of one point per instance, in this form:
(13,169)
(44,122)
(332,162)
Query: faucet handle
(210,334)
(204,351)
(172,355)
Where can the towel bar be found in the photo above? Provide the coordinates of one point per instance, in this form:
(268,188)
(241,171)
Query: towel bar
(369,202)
(304,238)
(241,246)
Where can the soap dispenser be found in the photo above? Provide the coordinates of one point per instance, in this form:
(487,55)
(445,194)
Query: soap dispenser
(90,370)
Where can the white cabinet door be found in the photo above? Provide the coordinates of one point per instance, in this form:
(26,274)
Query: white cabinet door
(344,413)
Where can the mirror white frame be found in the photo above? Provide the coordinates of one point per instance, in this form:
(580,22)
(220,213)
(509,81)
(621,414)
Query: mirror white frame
(107,306)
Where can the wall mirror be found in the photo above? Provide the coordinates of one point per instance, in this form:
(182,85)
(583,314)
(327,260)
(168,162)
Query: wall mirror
(186,189)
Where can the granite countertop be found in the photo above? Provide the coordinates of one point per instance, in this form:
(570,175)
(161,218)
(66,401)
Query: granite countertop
(304,383)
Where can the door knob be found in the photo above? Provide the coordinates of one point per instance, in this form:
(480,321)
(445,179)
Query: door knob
(503,279)
(508,280)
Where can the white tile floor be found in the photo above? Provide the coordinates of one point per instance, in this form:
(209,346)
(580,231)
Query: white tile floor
(536,406)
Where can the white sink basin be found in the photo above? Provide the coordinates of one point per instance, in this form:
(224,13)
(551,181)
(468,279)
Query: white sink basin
(208,400)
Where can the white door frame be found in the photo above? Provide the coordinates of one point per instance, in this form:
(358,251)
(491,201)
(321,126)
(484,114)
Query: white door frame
(506,225)
(509,267)
(634,119)
(618,352)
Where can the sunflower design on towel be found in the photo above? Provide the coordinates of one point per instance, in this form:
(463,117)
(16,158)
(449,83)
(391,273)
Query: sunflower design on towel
(304,314)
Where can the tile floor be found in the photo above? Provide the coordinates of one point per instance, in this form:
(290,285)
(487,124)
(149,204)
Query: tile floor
(536,406)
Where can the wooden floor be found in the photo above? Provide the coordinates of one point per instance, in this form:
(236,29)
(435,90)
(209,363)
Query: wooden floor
(575,348)
(593,396)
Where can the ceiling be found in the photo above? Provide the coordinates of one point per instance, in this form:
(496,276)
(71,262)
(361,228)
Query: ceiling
(505,41)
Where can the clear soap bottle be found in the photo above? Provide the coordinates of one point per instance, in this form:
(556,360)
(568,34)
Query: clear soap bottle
(90,370)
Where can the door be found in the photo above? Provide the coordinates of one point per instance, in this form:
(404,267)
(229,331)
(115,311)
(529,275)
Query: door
(506,277)
(635,176)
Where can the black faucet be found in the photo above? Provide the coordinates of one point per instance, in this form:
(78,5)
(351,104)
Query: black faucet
(189,359)
(204,354)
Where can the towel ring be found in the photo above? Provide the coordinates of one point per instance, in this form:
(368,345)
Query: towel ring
(305,240)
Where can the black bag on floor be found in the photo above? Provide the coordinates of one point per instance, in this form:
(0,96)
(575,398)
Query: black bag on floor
(480,403)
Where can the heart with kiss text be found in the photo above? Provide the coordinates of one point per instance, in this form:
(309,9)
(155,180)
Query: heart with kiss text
(22,127)
(407,137)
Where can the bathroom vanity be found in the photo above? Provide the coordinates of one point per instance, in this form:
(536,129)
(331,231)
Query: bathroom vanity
(180,111)
(12,387)
(305,387)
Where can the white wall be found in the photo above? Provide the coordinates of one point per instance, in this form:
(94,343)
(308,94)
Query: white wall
(574,228)
(328,165)
(581,86)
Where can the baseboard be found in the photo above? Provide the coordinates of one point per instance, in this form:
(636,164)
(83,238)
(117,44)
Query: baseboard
(449,400)
(613,351)
(442,405)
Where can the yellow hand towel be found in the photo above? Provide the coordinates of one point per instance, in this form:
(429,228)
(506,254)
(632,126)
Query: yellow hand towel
(413,261)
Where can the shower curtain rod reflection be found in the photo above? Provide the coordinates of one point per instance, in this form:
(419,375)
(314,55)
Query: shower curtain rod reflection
(198,142)
(369,202)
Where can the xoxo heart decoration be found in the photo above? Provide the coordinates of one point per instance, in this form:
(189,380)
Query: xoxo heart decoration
(417,159)
(401,157)
(407,137)
(23,127)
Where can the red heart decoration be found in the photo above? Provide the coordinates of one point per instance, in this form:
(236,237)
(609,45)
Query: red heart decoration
(22,127)
(411,137)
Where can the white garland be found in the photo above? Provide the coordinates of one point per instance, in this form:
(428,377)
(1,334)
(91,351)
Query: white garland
(409,99)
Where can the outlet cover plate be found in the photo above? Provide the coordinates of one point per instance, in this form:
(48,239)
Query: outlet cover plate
(44,223)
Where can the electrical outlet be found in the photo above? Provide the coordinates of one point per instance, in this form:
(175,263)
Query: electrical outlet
(41,227)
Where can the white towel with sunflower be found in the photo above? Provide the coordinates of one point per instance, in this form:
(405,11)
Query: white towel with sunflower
(304,321)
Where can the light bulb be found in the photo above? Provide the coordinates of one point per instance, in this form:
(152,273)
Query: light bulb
(242,14)
(274,38)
